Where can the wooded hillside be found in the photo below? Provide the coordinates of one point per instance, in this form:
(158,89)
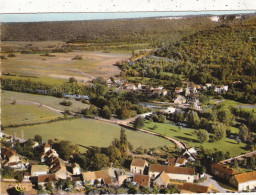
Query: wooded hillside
(150,30)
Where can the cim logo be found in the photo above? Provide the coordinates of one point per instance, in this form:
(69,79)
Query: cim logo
(19,188)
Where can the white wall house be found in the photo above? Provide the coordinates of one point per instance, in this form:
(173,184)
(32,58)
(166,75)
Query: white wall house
(244,181)
(183,174)
(37,170)
(138,165)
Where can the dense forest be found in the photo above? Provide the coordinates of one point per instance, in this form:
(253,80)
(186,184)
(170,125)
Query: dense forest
(149,30)
(223,54)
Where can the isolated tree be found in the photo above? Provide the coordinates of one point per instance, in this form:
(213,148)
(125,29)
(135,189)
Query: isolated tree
(138,123)
(106,112)
(123,137)
(219,131)
(202,136)
(193,119)
(38,138)
(243,132)
(72,80)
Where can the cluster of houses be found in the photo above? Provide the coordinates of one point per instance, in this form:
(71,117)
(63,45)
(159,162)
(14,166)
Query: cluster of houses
(141,173)
(186,97)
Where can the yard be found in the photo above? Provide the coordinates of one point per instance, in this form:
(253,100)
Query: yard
(9,96)
(88,132)
(187,135)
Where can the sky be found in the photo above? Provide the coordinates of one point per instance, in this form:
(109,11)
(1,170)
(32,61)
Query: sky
(42,17)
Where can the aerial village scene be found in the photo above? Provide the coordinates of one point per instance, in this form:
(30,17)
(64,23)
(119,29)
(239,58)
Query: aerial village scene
(133,105)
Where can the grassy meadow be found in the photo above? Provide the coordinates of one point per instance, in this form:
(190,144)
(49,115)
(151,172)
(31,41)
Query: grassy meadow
(26,113)
(88,132)
(9,96)
(187,135)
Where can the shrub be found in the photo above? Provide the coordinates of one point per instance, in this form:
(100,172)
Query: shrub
(11,55)
(66,103)
(77,57)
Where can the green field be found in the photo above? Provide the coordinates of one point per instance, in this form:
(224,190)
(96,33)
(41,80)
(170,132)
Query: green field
(26,113)
(187,135)
(88,132)
(9,96)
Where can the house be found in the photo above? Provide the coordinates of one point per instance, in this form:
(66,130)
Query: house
(190,154)
(157,91)
(102,177)
(169,110)
(76,170)
(77,179)
(160,87)
(162,180)
(43,179)
(57,166)
(130,86)
(47,147)
(180,100)
(223,172)
(177,162)
(208,85)
(48,153)
(26,176)
(183,174)
(138,85)
(138,166)
(188,188)
(37,170)
(144,115)
(178,90)
(35,144)
(180,162)
(244,181)
(192,88)
(118,176)
(164,92)
(141,180)
(170,161)
(221,88)
(11,158)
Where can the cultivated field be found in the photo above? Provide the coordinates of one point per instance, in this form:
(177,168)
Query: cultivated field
(88,132)
(53,102)
(62,66)
(187,135)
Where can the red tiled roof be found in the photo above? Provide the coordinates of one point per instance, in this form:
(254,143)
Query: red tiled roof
(191,187)
(246,177)
(224,169)
(138,162)
(180,160)
(47,145)
(164,177)
(142,180)
(46,178)
(171,169)
(171,160)
(8,152)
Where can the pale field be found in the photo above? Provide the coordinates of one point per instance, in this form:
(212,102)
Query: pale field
(93,64)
